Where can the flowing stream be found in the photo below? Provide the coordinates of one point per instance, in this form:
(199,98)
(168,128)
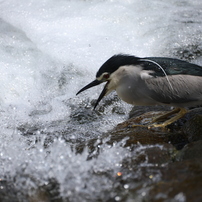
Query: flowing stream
(50,49)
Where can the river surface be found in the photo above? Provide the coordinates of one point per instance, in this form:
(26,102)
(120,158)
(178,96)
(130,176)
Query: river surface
(50,49)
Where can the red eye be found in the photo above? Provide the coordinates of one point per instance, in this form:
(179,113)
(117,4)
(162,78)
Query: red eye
(106,76)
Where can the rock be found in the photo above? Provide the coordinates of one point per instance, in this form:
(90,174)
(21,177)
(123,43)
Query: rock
(190,151)
(156,154)
(138,135)
(193,128)
(189,52)
(8,192)
(138,110)
(145,135)
(46,193)
(155,110)
(180,181)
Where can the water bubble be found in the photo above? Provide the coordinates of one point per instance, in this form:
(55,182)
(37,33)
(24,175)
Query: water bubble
(180,197)
(151,177)
(117,198)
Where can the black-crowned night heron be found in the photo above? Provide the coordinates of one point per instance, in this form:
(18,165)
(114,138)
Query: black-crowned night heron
(152,81)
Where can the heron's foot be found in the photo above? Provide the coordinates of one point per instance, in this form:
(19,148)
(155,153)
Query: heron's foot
(180,113)
(165,115)
(138,125)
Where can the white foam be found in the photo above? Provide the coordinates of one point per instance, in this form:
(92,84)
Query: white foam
(50,49)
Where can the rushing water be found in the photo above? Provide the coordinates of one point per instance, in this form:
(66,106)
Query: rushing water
(49,49)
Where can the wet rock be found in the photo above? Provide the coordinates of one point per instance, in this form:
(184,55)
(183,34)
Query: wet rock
(145,135)
(152,155)
(83,115)
(138,135)
(187,129)
(41,109)
(190,151)
(28,129)
(180,181)
(189,52)
(138,110)
(193,128)
(146,114)
(155,158)
(150,171)
(46,193)
(8,192)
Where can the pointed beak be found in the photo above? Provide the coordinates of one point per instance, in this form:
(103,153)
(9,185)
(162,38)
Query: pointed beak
(92,84)
(102,94)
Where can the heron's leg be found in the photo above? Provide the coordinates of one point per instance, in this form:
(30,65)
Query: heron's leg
(165,115)
(180,114)
(138,125)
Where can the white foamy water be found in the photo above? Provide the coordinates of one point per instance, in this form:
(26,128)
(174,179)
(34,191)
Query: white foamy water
(48,51)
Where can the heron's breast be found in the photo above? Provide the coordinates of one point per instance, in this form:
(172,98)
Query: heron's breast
(135,93)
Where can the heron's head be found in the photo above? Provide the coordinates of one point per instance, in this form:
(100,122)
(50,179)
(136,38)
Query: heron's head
(106,71)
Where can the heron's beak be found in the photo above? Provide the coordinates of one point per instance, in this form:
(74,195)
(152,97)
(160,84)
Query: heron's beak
(102,94)
(92,84)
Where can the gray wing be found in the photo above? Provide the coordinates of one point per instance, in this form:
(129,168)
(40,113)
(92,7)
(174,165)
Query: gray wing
(186,90)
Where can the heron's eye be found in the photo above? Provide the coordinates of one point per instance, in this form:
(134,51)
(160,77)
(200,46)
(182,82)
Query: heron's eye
(105,76)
